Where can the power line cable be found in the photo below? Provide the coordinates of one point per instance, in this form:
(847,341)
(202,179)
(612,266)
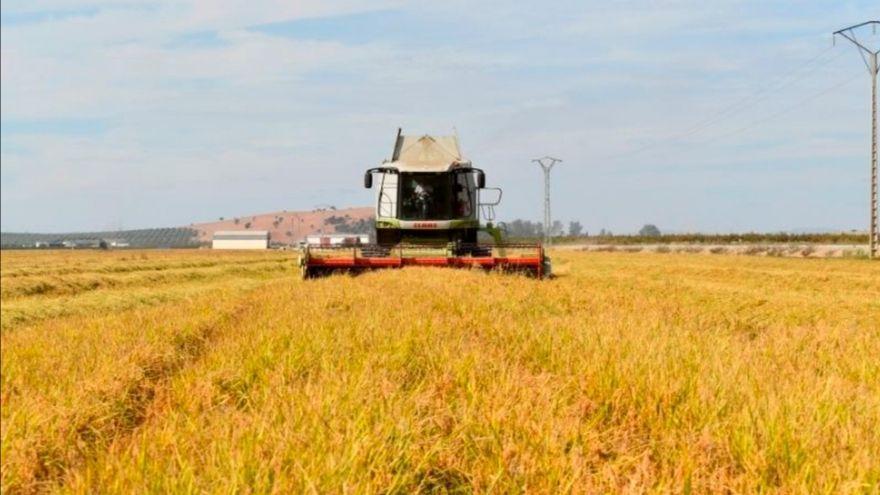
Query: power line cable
(779,83)
(783,111)
(776,114)
(763,94)
(762,91)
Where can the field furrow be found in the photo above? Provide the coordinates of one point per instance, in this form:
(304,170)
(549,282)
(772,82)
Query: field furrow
(628,373)
(33,298)
(121,264)
(72,386)
(70,285)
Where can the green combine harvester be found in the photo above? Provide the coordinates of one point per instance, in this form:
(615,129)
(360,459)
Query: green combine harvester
(429,204)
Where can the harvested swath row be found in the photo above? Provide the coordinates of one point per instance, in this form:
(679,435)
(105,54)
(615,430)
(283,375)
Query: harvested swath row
(18,264)
(84,256)
(73,284)
(102,382)
(611,378)
(625,374)
(796,293)
(22,312)
(117,265)
(17,261)
(72,256)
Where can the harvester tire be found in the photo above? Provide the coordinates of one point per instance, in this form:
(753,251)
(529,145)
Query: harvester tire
(481,251)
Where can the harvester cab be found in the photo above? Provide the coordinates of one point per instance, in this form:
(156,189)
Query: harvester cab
(427,193)
(429,203)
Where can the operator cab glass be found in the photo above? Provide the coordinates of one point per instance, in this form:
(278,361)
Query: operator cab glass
(425,197)
(436,196)
(464,195)
(387,200)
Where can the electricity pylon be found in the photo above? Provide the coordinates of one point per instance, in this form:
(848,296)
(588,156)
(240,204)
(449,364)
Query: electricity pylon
(869,56)
(547,164)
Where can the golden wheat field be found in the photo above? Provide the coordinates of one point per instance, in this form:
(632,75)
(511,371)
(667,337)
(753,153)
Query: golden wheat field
(200,371)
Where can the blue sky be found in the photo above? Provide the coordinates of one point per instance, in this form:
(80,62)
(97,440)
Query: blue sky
(713,116)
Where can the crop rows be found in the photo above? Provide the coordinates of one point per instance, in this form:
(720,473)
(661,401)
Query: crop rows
(629,372)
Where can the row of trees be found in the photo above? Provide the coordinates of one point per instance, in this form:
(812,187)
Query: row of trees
(527,228)
(140,238)
(650,233)
(349,225)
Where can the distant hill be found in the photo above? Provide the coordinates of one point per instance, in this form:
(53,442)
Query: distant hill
(285,227)
(289,227)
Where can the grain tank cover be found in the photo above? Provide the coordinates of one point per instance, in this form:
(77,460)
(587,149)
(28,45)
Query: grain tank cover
(427,154)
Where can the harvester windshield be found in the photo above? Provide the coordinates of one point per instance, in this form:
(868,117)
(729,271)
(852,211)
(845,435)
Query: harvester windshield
(441,196)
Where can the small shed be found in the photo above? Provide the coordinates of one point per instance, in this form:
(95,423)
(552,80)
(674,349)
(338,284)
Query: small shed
(240,239)
(117,243)
(337,239)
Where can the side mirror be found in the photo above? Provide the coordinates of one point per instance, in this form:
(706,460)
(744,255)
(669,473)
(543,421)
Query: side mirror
(368,180)
(481,179)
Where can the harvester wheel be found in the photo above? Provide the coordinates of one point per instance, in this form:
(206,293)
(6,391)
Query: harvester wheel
(547,268)
(310,272)
(481,251)
(475,250)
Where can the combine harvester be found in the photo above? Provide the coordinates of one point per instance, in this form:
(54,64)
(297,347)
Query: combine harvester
(428,209)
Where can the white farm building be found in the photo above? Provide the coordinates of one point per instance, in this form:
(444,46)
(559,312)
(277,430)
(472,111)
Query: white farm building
(337,239)
(241,239)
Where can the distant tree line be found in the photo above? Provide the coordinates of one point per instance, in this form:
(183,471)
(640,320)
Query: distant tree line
(141,238)
(349,225)
(735,238)
(651,234)
(527,229)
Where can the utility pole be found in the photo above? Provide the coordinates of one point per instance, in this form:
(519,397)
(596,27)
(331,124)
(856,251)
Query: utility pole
(547,164)
(869,56)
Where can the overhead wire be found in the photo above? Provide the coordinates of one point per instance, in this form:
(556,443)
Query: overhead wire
(784,110)
(761,93)
(779,83)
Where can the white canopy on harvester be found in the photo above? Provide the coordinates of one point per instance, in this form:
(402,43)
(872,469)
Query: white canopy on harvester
(427,154)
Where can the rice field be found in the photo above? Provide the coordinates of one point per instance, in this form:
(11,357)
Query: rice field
(212,372)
